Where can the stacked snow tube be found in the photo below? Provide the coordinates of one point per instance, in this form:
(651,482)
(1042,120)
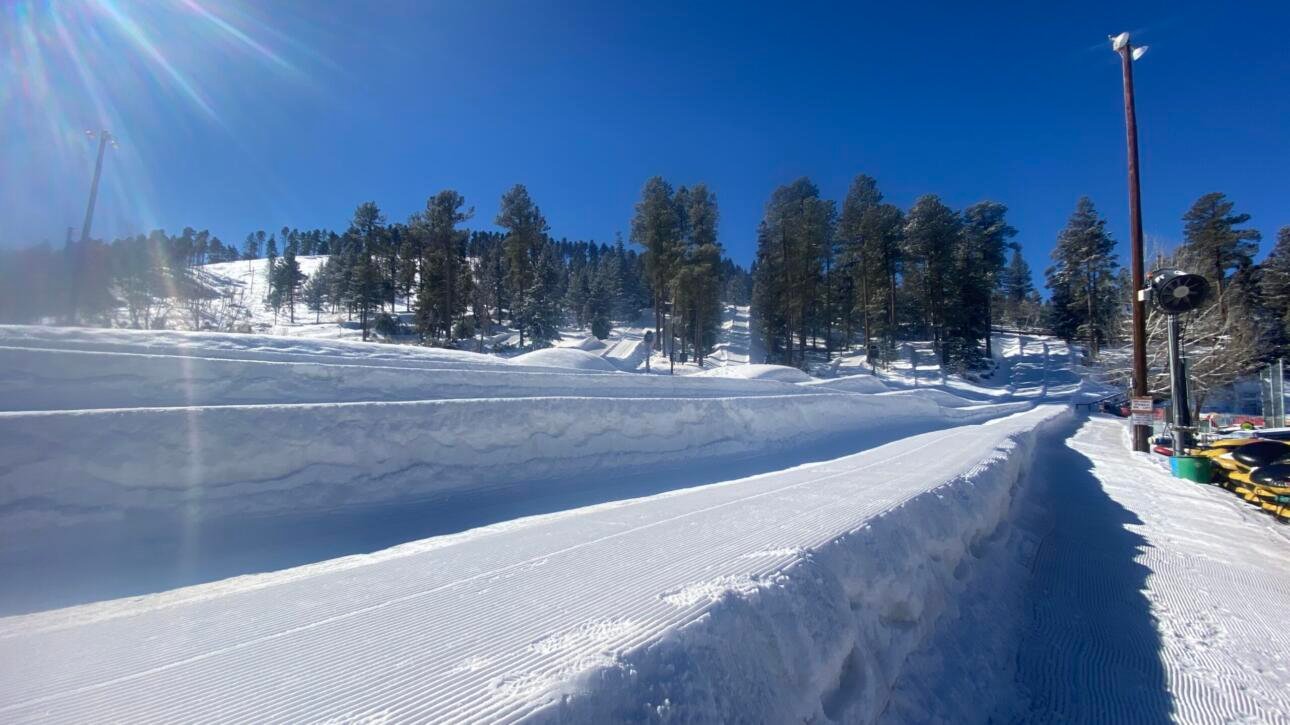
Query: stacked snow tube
(1255,469)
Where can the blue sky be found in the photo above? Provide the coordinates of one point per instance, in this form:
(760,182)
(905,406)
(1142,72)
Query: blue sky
(242,116)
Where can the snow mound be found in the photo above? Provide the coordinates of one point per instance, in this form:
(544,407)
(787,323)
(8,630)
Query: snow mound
(589,343)
(854,384)
(778,373)
(565,358)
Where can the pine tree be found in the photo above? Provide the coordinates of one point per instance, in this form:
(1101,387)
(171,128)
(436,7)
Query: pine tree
(600,300)
(315,293)
(985,243)
(1016,285)
(1275,286)
(526,230)
(791,243)
(541,301)
(444,288)
(251,247)
(609,275)
(696,281)
(286,281)
(1082,279)
(932,236)
(1214,244)
(366,233)
(869,237)
(656,226)
(409,260)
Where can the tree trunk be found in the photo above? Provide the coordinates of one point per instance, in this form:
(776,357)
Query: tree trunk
(1092,322)
(891,304)
(989,323)
(864,302)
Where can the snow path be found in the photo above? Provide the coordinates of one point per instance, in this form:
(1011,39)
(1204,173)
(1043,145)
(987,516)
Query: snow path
(1152,599)
(500,622)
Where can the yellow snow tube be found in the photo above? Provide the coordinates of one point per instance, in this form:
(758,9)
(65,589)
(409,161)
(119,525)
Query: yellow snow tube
(1274,499)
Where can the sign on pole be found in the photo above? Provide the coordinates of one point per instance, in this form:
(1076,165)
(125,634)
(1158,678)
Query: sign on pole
(1141,409)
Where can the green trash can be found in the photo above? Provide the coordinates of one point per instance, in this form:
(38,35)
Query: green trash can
(1192,468)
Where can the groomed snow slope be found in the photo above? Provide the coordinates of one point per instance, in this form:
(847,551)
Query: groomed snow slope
(784,597)
(1115,593)
(1159,598)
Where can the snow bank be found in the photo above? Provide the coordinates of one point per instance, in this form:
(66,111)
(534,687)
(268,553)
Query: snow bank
(61,468)
(826,638)
(52,379)
(589,343)
(565,358)
(778,373)
(628,354)
(238,346)
(789,596)
(853,384)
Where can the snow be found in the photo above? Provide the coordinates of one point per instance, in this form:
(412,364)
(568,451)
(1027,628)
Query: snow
(1164,583)
(131,465)
(1115,593)
(198,526)
(589,343)
(864,383)
(745,600)
(565,358)
(779,373)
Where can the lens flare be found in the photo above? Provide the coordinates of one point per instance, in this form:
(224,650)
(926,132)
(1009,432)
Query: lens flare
(148,71)
(139,70)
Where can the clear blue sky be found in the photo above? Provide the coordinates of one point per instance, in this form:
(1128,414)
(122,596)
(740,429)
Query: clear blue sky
(241,116)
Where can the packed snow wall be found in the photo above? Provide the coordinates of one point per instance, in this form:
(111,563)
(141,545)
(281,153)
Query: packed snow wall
(52,379)
(830,637)
(68,467)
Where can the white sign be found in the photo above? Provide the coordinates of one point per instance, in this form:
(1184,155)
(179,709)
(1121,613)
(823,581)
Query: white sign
(1142,411)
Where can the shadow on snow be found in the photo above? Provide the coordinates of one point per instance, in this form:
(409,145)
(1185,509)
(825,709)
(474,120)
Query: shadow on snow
(1090,650)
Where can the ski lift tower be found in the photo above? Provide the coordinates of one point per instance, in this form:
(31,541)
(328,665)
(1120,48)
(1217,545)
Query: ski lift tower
(1175,292)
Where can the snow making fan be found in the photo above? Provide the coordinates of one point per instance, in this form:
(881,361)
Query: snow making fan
(1175,291)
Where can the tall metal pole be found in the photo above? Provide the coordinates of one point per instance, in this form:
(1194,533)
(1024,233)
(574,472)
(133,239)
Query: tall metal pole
(104,137)
(1178,390)
(1141,433)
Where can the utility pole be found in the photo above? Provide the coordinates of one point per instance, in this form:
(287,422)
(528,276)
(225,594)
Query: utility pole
(1122,45)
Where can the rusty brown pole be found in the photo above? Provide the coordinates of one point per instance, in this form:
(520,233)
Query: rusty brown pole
(1141,433)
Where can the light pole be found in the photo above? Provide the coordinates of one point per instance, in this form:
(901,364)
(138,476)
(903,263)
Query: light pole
(1122,45)
(105,138)
(78,260)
